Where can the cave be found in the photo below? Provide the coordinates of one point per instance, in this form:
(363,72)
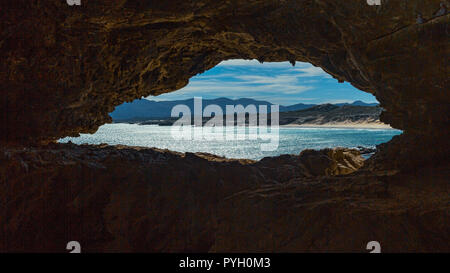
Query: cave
(64,68)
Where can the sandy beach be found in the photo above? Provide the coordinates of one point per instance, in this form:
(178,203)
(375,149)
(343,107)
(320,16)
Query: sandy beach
(371,125)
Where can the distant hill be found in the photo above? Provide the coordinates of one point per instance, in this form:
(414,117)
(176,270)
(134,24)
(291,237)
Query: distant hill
(324,115)
(144,109)
(329,114)
(357,103)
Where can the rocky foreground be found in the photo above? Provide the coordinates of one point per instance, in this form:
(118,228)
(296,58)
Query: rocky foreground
(132,199)
(64,68)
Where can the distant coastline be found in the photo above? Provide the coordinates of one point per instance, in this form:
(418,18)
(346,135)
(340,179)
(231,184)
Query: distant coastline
(152,110)
(368,125)
(372,125)
(319,116)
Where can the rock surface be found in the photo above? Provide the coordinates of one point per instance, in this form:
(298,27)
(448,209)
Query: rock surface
(131,199)
(63,69)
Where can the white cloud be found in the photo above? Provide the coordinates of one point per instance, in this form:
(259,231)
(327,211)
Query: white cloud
(306,69)
(256,79)
(277,82)
(312,71)
(231,88)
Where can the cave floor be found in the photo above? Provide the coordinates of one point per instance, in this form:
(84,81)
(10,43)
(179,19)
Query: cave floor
(118,198)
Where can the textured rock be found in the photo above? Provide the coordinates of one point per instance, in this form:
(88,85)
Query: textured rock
(133,199)
(63,69)
(121,198)
(311,163)
(339,214)
(344,161)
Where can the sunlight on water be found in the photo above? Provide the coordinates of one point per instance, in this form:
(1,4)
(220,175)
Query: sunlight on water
(292,140)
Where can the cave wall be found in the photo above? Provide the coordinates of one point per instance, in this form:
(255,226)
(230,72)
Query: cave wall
(64,68)
(134,199)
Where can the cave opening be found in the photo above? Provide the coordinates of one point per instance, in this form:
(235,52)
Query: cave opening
(314,111)
(65,68)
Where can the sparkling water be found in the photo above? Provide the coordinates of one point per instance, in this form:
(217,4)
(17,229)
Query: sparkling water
(292,140)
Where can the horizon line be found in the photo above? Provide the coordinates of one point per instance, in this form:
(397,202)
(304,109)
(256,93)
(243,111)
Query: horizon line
(265,100)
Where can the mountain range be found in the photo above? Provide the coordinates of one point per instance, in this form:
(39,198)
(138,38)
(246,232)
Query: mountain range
(147,109)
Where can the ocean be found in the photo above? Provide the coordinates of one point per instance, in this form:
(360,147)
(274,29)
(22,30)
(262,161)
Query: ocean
(288,140)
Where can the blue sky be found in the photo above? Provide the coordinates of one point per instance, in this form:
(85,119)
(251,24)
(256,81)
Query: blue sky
(279,83)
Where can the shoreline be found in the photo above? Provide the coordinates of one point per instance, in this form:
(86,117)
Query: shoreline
(341,125)
(308,125)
